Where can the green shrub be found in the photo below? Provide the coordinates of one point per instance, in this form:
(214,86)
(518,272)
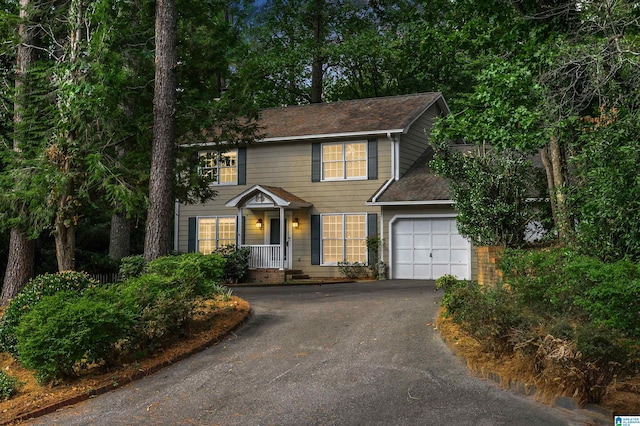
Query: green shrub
(160,306)
(236,267)
(9,386)
(195,271)
(31,294)
(353,270)
(67,331)
(132,266)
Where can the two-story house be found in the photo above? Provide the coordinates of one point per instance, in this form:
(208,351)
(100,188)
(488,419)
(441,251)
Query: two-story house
(323,179)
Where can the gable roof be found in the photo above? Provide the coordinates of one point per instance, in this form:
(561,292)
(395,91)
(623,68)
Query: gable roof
(392,114)
(275,197)
(419,185)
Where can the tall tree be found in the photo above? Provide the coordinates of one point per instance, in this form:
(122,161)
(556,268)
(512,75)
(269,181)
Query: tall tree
(157,238)
(20,262)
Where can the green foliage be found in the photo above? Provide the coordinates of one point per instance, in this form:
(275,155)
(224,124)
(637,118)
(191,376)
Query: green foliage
(605,194)
(490,189)
(132,266)
(487,313)
(195,271)
(236,266)
(353,270)
(41,286)
(65,331)
(160,305)
(559,282)
(9,386)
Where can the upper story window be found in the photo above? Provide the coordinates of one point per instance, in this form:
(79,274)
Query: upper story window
(347,160)
(220,167)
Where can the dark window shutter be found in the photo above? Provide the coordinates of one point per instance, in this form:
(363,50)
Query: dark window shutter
(243,225)
(372,232)
(192,236)
(316,161)
(242,166)
(372,159)
(315,239)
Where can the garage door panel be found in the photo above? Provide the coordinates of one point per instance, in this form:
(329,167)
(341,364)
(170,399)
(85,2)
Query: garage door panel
(421,271)
(421,241)
(440,226)
(459,270)
(441,241)
(404,242)
(427,248)
(441,256)
(421,256)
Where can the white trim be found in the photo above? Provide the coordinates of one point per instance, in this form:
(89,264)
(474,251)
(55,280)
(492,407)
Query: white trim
(411,203)
(398,217)
(333,135)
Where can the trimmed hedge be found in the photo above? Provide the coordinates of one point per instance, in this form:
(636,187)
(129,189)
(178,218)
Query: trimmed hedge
(39,287)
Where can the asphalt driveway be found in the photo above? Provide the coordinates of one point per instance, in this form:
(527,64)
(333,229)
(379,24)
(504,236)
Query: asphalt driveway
(342,354)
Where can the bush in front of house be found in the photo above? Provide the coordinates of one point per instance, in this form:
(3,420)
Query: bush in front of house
(66,331)
(201,272)
(61,323)
(39,287)
(236,267)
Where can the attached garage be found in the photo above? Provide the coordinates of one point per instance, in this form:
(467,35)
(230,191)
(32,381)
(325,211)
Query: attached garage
(427,248)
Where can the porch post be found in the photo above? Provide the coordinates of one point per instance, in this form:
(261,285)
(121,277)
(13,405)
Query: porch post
(282,241)
(239,228)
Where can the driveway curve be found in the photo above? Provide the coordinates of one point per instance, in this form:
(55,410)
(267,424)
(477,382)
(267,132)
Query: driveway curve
(344,354)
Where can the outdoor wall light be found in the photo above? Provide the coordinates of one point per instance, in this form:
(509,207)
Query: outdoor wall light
(259,224)
(296,223)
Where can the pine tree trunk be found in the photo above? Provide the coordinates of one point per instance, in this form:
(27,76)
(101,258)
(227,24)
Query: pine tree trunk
(65,238)
(20,262)
(158,229)
(120,236)
(20,265)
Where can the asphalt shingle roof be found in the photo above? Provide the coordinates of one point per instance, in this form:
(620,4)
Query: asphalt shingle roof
(355,116)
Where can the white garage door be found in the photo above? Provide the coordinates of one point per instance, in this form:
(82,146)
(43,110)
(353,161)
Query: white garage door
(428,248)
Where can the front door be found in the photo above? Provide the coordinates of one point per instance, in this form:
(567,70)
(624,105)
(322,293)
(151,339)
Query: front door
(274,236)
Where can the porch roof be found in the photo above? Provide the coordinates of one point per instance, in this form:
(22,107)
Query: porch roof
(263,196)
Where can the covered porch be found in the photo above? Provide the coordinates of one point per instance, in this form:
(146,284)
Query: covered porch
(275,214)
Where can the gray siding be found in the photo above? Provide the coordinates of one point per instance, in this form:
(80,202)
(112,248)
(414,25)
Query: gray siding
(415,142)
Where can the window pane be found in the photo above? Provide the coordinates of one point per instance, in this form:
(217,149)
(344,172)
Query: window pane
(355,151)
(207,164)
(228,167)
(206,235)
(356,159)
(332,152)
(332,251)
(332,226)
(226,231)
(356,237)
(356,226)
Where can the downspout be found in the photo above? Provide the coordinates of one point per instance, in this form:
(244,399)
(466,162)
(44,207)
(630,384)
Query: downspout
(176,220)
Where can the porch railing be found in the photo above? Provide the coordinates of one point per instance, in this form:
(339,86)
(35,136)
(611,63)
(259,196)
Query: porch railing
(265,256)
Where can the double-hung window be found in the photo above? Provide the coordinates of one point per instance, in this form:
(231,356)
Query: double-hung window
(220,167)
(345,160)
(344,238)
(215,232)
